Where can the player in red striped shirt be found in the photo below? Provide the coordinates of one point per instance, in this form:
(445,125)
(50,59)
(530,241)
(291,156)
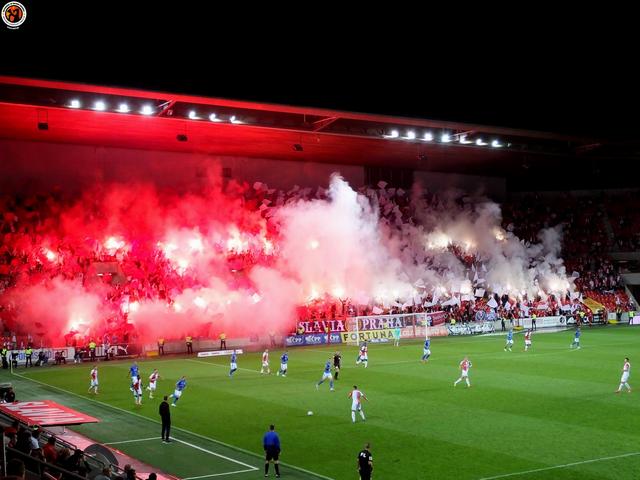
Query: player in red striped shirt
(94,380)
(465,365)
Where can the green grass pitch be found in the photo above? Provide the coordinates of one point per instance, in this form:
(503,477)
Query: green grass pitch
(550,413)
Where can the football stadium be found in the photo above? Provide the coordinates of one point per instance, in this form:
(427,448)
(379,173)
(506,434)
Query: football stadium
(335,294)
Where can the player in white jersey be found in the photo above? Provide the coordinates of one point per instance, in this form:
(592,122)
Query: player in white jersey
(363,356)
(357,397)
(136,388)
(265,362)
(94,380)
(465,365)
(624,381)
(527,340)
(153,379)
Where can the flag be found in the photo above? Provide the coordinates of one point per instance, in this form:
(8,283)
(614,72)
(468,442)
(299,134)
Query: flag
(492,303)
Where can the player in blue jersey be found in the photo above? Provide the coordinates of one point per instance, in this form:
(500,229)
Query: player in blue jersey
(234,365)
(509,341)
(284,360)
(326,376)
(133,372)
(426,351)
(576,339)
(177,393)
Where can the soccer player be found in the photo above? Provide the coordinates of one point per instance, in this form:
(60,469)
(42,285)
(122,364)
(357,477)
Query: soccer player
(337,362)
(527,340)
(509,340)
(576,339)
(94,380)
(326,375)
(177,393)
(153,378)
(365,463)
(396,337)
(133,372)
(362,356)
(624,381)
(357,397)
(426,351)
(234,365)
(136,387)
(265,361)
(465,365)
(284,360)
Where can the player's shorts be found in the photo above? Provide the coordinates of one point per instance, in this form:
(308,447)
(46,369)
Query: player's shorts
(234,365)
(364,474)
(527,342)
(283,367)
(509,342)
(137,391)
(426,351)
(327,376)
(272,453)
(465,373)
(177,393)
(625,377)
(364,359)
(94,383)
(265,364)
(152,385)
(336,366)
(355,406)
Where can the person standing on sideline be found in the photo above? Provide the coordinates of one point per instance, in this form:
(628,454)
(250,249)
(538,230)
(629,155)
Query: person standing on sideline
(165,416)
(160,346)
(534,317)
(624,381)
(396,337)
(271,444)
(28,353)
(223,341)
(189,342)
(365,462)
(92,350)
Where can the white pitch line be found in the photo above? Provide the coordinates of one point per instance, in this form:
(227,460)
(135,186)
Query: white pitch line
(219,474)
(555,467)
(133,441)
(203,437)
(215,454)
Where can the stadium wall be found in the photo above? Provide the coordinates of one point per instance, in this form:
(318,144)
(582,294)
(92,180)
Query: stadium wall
(41,165)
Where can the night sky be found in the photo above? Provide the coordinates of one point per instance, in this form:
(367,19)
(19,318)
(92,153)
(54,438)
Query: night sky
(547,78)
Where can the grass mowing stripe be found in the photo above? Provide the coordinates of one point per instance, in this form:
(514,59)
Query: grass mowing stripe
(232,447)
(573,464)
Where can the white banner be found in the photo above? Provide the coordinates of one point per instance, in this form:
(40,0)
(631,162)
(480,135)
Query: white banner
(218,353)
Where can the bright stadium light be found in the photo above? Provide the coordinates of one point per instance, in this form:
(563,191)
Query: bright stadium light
(100,106)
(75,103)
(463,140)
(393,134)
(146,110)
(193,115)
(123,108)
(496,144)
(480,142)
(411,135)
(445,138)
(428,137)
(214,118)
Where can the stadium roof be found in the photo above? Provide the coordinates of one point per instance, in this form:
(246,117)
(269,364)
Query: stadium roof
(55,111)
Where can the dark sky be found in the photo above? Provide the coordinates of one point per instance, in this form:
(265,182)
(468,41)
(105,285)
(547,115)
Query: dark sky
(562,85)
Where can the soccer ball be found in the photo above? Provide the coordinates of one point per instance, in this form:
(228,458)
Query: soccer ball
(309,413)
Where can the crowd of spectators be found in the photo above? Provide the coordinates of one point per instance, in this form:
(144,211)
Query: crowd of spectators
(30,255)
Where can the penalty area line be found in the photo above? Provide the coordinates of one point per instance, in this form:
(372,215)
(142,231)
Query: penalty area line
(220,474)
(555,467)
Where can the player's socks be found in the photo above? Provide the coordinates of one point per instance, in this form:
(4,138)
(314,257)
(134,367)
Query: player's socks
(467,380)
(277,469)
(366,363)
(362,415)
(337,373)
(331,384)
(353,417)
(266,469)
